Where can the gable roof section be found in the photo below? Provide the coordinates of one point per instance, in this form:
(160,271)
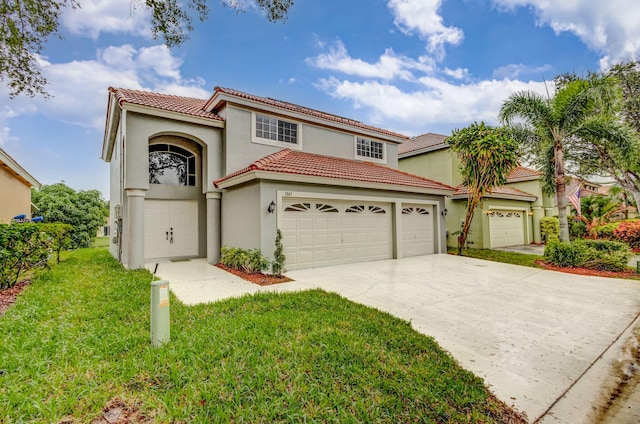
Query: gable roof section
(520,173)
(422,144)
(221,94)
(171,103)
(294,165)
(17,171)
(502,192)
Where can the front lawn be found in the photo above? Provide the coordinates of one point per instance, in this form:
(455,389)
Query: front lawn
(514,258)
(77,340)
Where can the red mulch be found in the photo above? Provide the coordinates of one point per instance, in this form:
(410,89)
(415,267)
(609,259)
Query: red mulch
(8,296)
(256,278)
(628,273)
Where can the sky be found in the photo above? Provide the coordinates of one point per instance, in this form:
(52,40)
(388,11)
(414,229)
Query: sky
(410,66)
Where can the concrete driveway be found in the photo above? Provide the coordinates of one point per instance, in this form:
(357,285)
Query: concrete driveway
(533,335)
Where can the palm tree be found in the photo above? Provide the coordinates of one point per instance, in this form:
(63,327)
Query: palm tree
(579,109)
(596,211)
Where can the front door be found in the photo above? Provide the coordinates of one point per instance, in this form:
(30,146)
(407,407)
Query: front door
(170,228)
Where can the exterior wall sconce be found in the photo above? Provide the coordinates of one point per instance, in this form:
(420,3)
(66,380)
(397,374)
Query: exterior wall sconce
(272,207)
(488,211)
(530,213)
(444,212)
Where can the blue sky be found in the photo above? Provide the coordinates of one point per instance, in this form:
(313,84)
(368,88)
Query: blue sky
(411,66)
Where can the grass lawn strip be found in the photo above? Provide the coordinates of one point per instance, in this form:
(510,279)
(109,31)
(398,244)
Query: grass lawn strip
(78,339)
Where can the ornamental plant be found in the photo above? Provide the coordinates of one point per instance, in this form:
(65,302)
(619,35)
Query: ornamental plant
(277,266)
(629,232)
(22,247)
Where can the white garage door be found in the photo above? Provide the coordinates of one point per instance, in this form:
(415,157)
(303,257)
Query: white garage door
(170,228)
(317,232)
(506,228)
(417,230)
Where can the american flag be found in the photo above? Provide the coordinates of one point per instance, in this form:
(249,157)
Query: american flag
(574,199)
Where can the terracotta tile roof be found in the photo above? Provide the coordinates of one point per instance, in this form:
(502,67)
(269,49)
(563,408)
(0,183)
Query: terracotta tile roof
(497,191)
(293,162)
(429,141)
(169,102)
(522,173)
(304,110)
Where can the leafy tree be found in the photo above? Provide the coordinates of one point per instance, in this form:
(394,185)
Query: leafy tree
(26,24)
(487,154)
(596,211)
(580,110)
(84,209)
(60,235)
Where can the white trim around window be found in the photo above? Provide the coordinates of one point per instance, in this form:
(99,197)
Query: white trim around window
(277,125)
(372,150)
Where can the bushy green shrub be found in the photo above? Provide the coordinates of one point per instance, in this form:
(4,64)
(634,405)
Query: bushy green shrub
(22,247)
(61,236)
(550,228)
(606,231)
(251,261)
(629,232)
(577,230)
(591,254)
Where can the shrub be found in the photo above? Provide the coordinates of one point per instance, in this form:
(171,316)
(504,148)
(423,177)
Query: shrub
(22,247)
(550,228)
(606,231)
(591,254)
(577,230)
(250,261)
(277,266)
(629,232)
(61,236)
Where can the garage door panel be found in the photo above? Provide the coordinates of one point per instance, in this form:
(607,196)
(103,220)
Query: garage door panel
(418,230)
(506,228)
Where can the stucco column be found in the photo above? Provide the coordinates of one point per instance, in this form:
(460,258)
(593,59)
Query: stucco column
(538,214)
(213,227)
(135,233)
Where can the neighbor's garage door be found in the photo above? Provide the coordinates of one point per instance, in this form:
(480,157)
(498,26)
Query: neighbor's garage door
(318,232)
(506,228)
(417,230)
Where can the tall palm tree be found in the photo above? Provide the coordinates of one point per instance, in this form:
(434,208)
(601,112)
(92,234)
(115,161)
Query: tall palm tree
(579,109)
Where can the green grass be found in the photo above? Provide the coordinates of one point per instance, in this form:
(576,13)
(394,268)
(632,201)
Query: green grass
(78,337)
(500,256)
(101,242)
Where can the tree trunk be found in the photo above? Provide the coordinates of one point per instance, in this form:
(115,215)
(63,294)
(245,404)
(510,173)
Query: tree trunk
(472,202)
(561,192)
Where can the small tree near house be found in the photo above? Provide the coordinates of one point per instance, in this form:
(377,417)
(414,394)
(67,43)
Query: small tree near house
(277,266)
(487,154)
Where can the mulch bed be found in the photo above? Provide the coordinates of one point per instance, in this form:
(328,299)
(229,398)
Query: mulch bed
(628,273)
(8,296)
(256,278)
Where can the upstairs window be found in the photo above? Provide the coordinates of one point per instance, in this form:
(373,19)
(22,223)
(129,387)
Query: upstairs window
(369,149)
(274,129)
(171,165)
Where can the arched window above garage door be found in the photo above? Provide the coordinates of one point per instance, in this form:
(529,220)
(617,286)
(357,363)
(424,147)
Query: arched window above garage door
(171,165)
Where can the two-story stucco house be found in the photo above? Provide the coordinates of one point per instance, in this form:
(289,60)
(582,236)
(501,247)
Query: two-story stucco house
(15,189)
(509,215)
(191,175)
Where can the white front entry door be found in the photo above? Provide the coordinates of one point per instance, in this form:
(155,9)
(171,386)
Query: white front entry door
(417,230)
(170,228)
(317,232)
(506,228)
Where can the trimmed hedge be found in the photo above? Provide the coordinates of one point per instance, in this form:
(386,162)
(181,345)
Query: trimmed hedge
(251,261)
(550,228)
(22,247)
(592,254)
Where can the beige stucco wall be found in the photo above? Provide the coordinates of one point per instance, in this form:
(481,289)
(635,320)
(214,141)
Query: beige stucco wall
(439,165)
(15,197)
(241,151)
(241,216)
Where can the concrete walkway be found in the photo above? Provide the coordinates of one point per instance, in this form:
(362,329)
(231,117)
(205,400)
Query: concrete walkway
(530,333)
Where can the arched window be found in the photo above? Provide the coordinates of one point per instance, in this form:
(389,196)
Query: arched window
(171,165)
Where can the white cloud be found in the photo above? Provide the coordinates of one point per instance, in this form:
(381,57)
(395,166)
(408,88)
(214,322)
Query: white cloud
(389,66)
(422,16)
(458,73)
(108,16)
(515,70)
(607,27)
(433,102)
(79,88)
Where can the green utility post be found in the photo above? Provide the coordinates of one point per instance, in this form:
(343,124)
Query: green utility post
(160,333)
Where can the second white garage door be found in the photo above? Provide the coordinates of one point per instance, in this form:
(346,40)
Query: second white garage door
(417,230)
(506,228)
(317,232)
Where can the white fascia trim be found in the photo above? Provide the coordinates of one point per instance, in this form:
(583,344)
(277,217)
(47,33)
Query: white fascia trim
(521,179)
(14,166)
(176,116)
(423,150)
(302,117)
(110,128)
(310,179)
(498,196)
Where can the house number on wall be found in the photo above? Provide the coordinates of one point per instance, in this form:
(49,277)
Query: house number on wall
(288,193)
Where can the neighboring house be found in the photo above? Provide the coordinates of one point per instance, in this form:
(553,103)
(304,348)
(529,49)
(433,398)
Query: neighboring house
(509,215)
(15,189)
(191,175)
